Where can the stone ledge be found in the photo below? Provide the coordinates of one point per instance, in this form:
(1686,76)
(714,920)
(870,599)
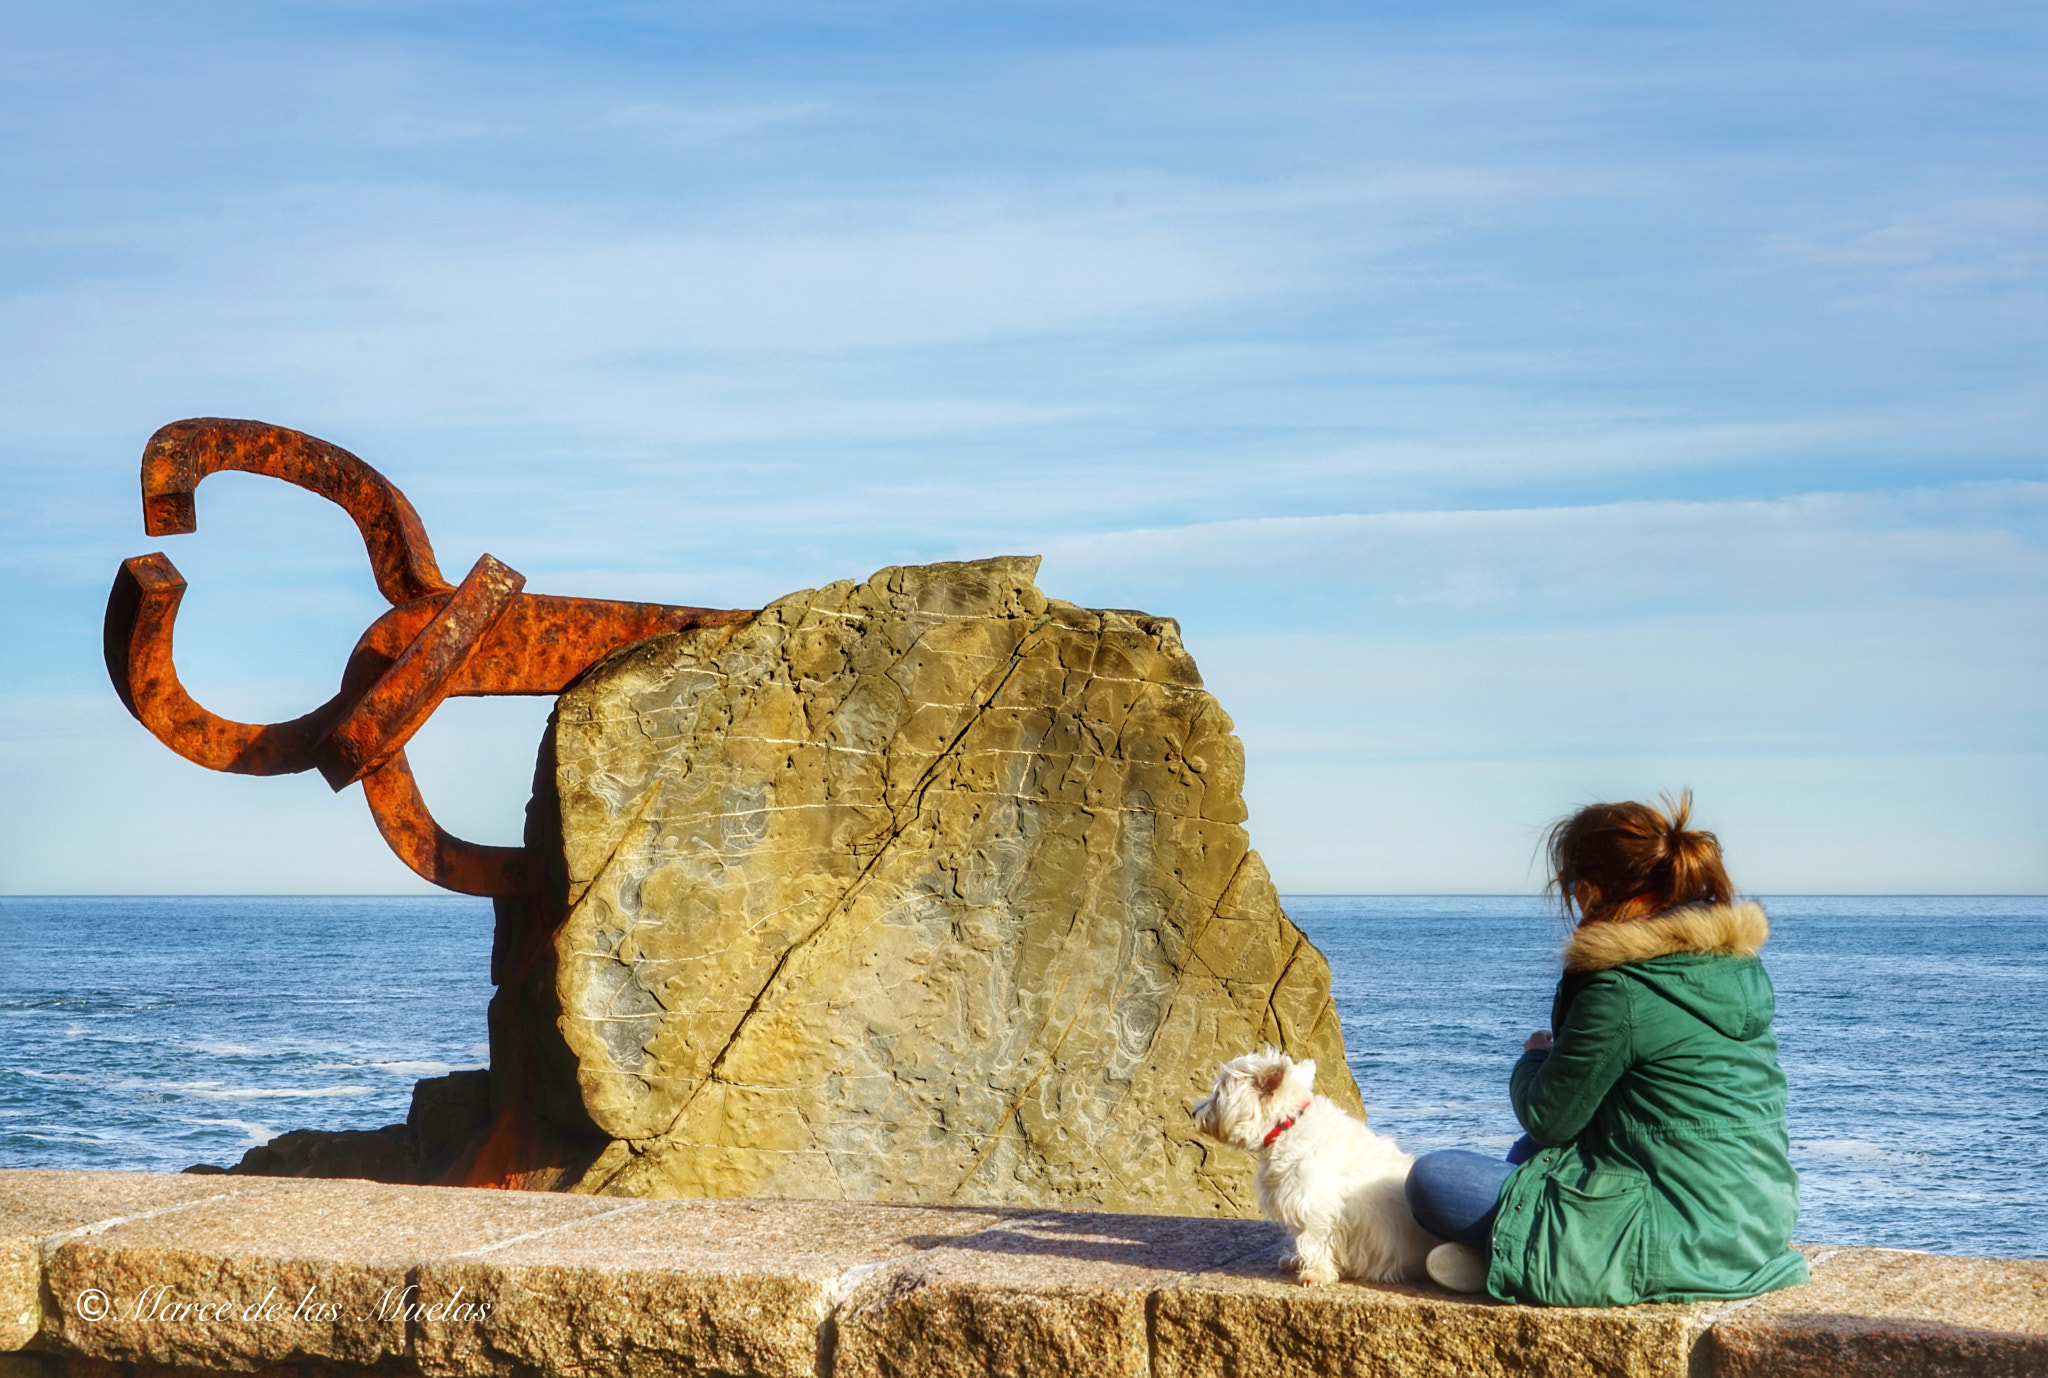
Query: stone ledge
(120,1275)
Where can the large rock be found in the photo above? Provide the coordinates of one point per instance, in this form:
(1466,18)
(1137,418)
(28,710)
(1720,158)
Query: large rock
(926,889)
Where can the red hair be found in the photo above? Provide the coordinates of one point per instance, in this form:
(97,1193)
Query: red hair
(1614,862)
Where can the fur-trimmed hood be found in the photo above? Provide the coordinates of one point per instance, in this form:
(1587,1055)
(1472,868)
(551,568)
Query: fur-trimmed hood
(1665,1082)
(1734,930)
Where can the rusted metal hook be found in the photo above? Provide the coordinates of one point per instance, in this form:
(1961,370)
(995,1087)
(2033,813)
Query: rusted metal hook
(179,455)
(486,635)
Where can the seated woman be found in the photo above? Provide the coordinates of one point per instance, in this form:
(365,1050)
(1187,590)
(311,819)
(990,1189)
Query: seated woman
(1656,1167)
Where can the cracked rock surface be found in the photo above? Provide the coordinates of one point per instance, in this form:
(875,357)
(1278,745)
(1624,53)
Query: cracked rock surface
(927,888)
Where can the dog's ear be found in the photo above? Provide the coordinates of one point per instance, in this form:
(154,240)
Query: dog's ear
(1269,1081)
(1308,1069)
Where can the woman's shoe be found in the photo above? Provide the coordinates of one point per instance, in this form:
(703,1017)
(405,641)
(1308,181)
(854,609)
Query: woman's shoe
(1457,1268)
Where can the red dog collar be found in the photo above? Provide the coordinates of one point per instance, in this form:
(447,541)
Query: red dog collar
(1281,1128)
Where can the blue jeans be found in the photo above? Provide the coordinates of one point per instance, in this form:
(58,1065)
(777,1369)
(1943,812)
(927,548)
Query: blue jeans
(1453,1193)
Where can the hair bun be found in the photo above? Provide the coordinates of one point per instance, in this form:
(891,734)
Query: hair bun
(1607,856)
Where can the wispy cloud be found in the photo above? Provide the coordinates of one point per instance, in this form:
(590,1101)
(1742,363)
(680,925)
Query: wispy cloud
(1568,565)
(1400,355)
(700,124)
(1988,243)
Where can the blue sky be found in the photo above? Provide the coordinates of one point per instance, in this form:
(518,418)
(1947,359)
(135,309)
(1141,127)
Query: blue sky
(1516,407)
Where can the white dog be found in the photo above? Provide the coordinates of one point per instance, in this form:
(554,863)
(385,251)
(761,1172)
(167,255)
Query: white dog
(1336,1185)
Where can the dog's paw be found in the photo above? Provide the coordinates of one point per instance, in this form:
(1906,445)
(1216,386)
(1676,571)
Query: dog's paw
(1318,1275)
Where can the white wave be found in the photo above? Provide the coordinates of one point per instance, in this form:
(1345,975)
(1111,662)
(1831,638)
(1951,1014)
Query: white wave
(417,1069)
(114,1136)
(236,1049)
(215,1091)
(72,1137)
(1855,1150)
(258,1133)
(204,1090)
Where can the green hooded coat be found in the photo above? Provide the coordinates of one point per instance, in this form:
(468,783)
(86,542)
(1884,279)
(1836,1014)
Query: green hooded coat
(1665,1173)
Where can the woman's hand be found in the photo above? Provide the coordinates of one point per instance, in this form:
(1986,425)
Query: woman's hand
(1539,1042)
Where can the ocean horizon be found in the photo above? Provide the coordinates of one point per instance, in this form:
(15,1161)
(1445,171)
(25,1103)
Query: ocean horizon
(154,1032)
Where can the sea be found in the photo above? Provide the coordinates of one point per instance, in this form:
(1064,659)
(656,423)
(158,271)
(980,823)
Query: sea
(153,1033)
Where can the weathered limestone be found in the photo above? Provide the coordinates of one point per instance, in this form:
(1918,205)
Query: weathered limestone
(1047,1293)
(37,1204)
(688,1287)
(1872,1313)
(1247,1319)
(928,889)
(131,1276)
(287,1272)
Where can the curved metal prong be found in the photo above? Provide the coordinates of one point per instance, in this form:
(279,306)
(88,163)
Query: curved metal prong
(142,614)
(181,454)
(487,637)
(468,868)
(415,681)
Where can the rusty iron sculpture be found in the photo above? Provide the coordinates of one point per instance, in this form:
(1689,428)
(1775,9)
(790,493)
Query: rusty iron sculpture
(485,635)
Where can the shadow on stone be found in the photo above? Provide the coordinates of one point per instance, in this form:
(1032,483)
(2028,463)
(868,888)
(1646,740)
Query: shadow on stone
(1139,1241)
